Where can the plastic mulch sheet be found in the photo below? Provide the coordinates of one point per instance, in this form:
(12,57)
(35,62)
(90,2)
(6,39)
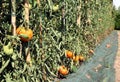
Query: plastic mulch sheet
(100,68)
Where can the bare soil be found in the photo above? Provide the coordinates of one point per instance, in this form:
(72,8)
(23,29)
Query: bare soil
(117,61)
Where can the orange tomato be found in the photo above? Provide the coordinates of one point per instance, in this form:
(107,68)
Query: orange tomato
(69,54)
(24,34)
(81,58)
(63,70)
(76,58)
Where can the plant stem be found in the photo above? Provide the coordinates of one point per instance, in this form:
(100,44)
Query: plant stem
(4,66)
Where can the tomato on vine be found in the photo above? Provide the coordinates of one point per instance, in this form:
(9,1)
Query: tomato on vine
(63,70)
(55,8)
(81,58)
(69,54)
(76,58)
(25,34)
(8,49)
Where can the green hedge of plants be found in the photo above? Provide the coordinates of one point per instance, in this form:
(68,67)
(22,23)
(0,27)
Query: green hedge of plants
(57,25)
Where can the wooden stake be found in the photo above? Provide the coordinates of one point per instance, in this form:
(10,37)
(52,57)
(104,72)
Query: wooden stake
(79,15)
(28,57)
(13,16)
(26,19)
(40,35)
(26,5)
(38,2)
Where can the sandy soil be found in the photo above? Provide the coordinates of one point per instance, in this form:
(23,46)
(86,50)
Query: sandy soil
(117,61)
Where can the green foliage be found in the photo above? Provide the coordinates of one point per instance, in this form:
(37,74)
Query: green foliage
(117,18)
(75,26)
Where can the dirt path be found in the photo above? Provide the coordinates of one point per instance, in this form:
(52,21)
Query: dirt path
(117,61)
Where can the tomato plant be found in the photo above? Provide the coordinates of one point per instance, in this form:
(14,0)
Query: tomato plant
(74,26)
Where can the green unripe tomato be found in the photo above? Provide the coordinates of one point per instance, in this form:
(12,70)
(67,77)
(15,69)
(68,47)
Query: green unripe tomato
(30,6)
(8,49)
(55,8)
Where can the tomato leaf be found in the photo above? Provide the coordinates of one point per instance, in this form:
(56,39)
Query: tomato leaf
(74,68)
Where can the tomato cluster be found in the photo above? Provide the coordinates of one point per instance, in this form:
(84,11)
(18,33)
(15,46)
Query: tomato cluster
(76,58)
(70,54)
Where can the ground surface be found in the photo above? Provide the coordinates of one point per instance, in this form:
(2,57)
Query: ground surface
(117,61)
(104,66)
